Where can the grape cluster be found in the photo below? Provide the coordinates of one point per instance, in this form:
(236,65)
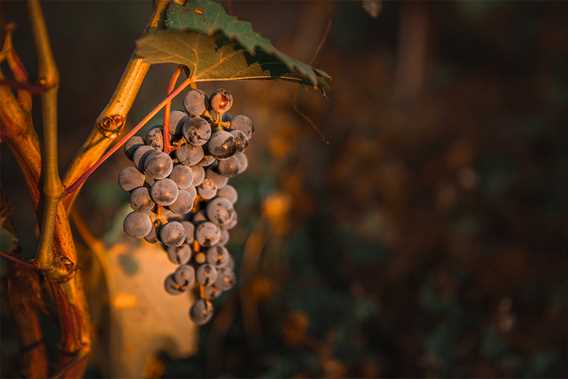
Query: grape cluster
(182,199)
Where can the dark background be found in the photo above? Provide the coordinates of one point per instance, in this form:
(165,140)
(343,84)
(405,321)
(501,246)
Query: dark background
(427,238)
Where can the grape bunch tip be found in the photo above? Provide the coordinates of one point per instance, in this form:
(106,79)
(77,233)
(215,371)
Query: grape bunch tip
(183,200)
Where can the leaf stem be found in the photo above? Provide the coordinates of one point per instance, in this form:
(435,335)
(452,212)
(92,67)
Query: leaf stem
(171,85)
(79,182)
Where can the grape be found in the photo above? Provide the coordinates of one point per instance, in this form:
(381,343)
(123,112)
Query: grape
(207,160)
(172,234)
(140,155)
(189,155)
(189,231)
(212,292)
(228,192)
(229,167)
(199,217)
(172,287)
(221,101)
(137,224)
(132,144)
(220,181)
(158,165)
(201,312)
(232,222)
(218,256)
(196,131)
(243,162)
(231,264)
(155,138)
(164,192)
(225,279)
(182,175)
(207,190)
(185,275)
(194,102)
(140,199)
(222,145)
(220,211)
(184,202)
(206,274)
(179,254)
(152,237)
(207,234)
(244,124)
(224,237)
(198,175)
(172,216)
(177,118)
(130,178)
(241,141)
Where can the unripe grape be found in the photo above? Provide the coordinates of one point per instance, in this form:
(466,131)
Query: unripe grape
(201,312)
(140,155)
(207,234)
(155,138)
(218,256)
(177,118)
(172,234)
(164,192)
(137,224)
(195,101)
(220,211)
(206,274)
(198,175)
(222,145)
(179,254)
(140,199)
(184,202)
(189,155)
(172,287)
(220,181)
(130,178)
(132,144)
(207,190)
(189,231)
(228,192)
(158,165)
(185,275)
(196,131)
(182,175)
(244,124)
(221,101)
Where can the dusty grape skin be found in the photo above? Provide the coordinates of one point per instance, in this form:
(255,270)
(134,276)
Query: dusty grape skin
(212,292)
(172,234)
(196,131)
(243,162)
(218,256)
(172,287)
(137,224)
(182,175)
(229,192)
(140,155)
(222,145)
(171,215)
(155,138)
(132,144)
(177,118)
(189,155)
(229,167)
(208,234)
(179,255)
(164,192)
(195,102)
(185,276)
(189,231)
(158,165)
(225,279)
(207,160)
(152,237)
(232,222)
(198,175)
(201,312)
(183,203)
(130,178)
(244,124)
(220,211)
(241,141)
(140,199)
(207,190)
(219,180)
(224,237)
(221,101)
(206,274)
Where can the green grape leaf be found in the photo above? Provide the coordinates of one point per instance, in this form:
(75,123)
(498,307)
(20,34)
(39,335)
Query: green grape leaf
(216,46)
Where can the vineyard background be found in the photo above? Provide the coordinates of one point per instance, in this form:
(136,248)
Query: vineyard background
(428,237)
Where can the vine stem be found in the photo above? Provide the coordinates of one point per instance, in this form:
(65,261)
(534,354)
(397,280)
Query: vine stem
(17,260)
(171,85)
(79,182)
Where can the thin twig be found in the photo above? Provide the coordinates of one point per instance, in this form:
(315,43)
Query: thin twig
(171,86)
(17,260)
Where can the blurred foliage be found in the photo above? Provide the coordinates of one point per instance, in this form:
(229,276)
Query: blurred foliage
(428,238)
